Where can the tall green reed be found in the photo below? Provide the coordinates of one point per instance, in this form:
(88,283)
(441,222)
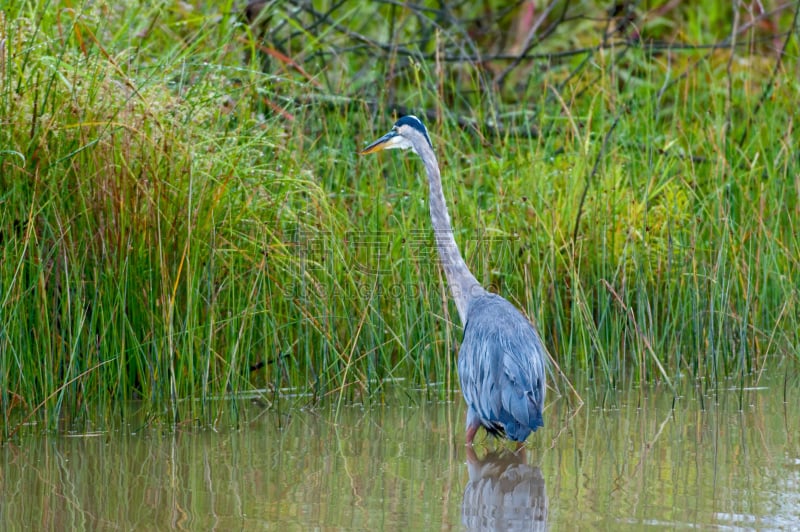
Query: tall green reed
(180,227)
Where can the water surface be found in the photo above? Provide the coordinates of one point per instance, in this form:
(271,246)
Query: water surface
(624,461)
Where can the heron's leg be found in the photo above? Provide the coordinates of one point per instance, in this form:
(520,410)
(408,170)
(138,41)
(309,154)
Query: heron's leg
(473,423)
(471,430)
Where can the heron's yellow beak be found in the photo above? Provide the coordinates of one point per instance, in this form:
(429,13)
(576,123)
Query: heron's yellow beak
(382,143)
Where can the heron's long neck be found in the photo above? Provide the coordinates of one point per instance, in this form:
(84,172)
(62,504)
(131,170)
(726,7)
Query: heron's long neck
(463,284)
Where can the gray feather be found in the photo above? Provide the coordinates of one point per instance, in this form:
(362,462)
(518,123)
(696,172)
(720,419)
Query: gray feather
(501,368)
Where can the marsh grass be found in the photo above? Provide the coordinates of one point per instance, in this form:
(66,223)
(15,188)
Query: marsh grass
(180,225)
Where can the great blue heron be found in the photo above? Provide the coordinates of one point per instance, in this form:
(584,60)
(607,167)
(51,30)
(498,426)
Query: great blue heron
(501,363)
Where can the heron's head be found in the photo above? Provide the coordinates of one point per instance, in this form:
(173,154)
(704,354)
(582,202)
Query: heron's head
(408,132)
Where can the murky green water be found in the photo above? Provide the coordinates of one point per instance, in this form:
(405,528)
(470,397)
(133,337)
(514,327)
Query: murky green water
(625,462)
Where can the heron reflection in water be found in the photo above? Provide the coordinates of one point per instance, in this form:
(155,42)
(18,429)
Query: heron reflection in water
(501,362)
(503,493)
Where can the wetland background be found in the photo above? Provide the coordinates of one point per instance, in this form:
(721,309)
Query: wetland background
(215,314)
(184,218)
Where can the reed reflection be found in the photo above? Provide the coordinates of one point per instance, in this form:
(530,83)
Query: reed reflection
(503,493)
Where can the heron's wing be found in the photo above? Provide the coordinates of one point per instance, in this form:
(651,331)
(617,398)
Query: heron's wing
(501,365)
(522,381)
